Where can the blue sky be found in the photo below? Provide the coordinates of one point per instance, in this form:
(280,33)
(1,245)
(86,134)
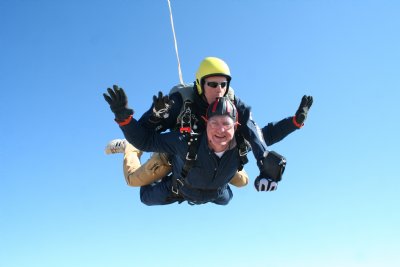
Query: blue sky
(63,202)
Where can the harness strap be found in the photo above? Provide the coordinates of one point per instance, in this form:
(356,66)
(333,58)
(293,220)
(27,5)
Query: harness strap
(243,150)
(191,157)
(186,120)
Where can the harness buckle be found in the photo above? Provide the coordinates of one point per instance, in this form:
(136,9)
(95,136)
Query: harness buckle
(186,119)
(191,158)
(176,191)
(179,181)
(243,151)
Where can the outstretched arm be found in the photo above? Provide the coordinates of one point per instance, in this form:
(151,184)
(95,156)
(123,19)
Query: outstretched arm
(271,133)
(275,132)
(142,138)
(150,141)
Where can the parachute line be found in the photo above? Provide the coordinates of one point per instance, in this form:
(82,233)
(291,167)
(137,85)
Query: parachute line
(175,42)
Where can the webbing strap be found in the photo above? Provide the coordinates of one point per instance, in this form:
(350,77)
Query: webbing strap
(175,42)
(191,157)
(242,147)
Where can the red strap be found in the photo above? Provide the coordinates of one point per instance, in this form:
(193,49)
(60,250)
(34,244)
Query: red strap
(125,122)
(296,123)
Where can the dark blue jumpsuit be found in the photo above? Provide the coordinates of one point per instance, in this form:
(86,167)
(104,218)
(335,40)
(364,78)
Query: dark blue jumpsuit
(206,181)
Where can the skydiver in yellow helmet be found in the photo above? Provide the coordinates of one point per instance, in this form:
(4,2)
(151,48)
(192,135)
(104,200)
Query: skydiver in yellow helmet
(213,79)
(211,66)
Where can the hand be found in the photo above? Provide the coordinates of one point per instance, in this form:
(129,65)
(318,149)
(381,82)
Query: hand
(161,105)
(118,102)
(264,184)
(301,113)
(272,166)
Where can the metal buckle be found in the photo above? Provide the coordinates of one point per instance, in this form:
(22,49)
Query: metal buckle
(243,152)
(186,120)
(188,158)
(176,191)
(179,181)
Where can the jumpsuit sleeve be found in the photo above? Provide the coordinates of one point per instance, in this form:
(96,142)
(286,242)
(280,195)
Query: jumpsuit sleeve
(250,130)
(162,124)
(274,132)
(150,141)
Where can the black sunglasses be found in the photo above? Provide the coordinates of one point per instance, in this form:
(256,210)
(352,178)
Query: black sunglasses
(215,84)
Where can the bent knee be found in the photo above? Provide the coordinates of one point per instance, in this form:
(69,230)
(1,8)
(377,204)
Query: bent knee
(239,180)
(244,182)
(133,180)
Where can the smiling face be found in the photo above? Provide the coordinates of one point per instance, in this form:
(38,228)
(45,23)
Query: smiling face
(220,131)
(211,93)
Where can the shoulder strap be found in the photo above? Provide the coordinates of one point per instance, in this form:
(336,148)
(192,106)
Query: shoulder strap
(191,157)
(243,145)
(243,149)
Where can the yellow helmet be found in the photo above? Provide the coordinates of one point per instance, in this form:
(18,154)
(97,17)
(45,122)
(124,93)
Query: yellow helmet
(211,66)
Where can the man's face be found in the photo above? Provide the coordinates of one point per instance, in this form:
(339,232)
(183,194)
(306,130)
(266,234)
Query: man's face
(213,87)
(220,131)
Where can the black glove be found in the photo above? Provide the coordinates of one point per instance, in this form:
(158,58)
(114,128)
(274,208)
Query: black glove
(301,113)
(118,102)
(272,166)
(264,184)
(161,105)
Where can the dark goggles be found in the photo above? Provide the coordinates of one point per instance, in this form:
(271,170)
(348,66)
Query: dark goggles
(215,84)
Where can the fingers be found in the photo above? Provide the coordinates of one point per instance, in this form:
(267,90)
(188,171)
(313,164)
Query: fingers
(115,94)
(310,101)
(273,186)
(107,98)
(267,185)
(306,101)
(119,93)
(162,99)
(158,98)
(264,184)
(165,99)
(122,95)
(303,101)
(112,96)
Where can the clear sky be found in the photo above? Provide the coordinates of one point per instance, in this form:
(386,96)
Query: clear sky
(63,202)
